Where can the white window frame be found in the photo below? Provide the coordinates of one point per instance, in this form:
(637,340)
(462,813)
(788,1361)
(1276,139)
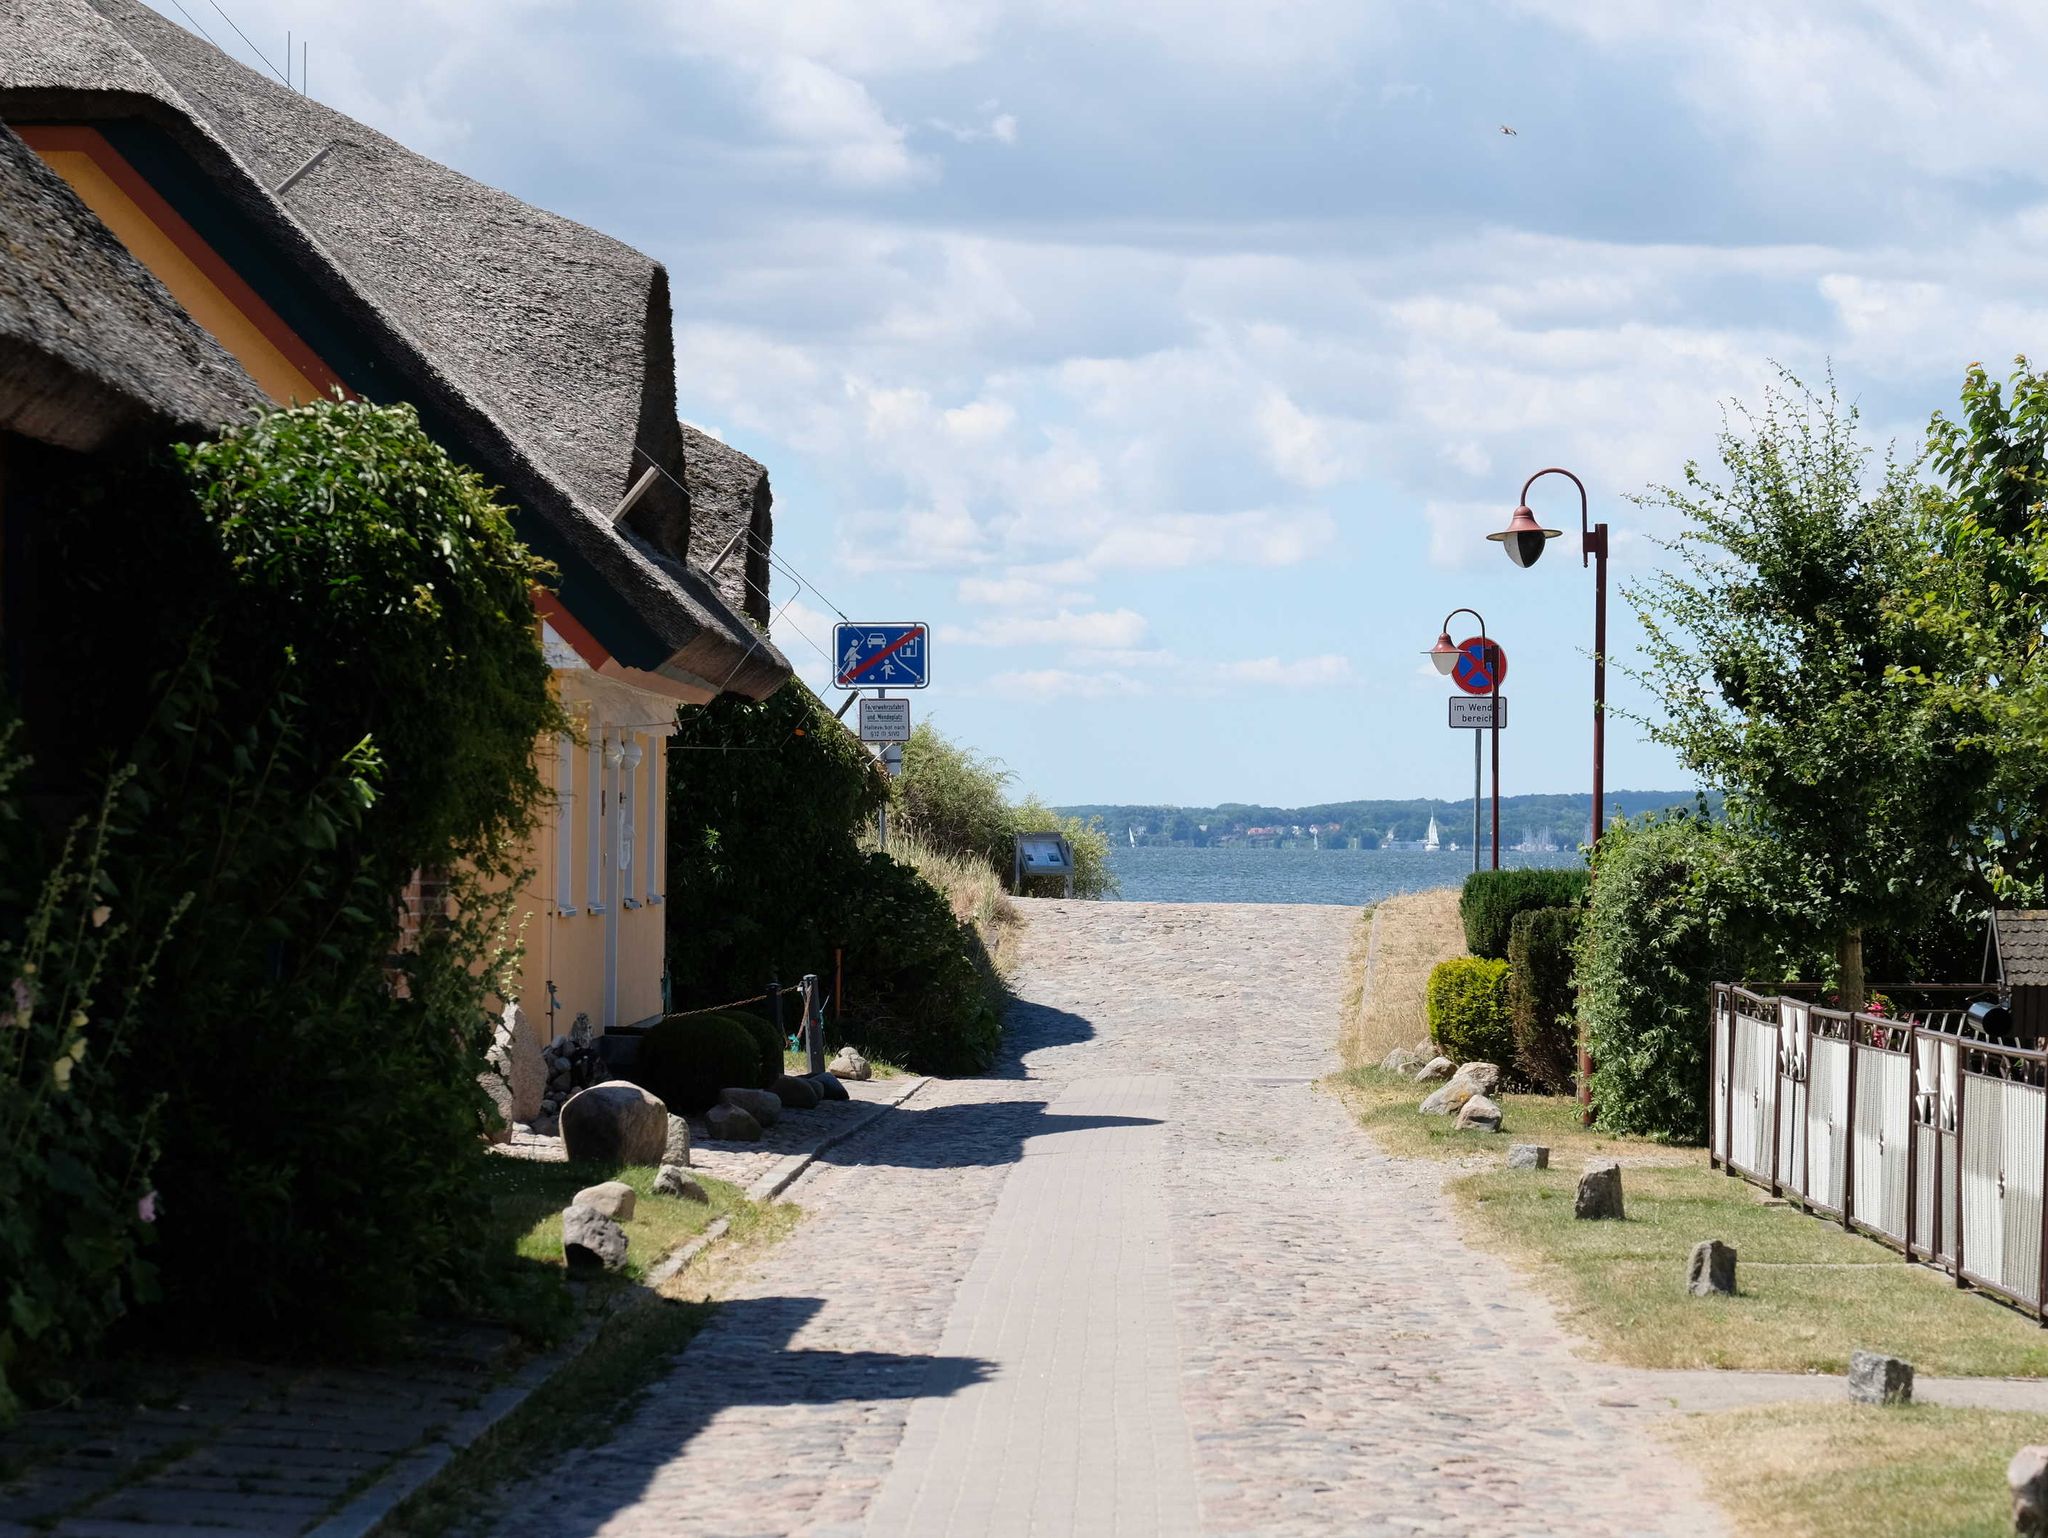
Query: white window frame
(629,781)
(650,868)
(565,825)
(594,816)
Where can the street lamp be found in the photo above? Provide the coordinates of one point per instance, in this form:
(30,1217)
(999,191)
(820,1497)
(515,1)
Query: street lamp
(1444,654)
(1524,539)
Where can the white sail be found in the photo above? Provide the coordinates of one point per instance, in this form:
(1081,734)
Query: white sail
(1430,840)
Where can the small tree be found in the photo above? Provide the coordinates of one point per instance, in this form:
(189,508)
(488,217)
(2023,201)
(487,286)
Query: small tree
(1983,603)
(1779,647)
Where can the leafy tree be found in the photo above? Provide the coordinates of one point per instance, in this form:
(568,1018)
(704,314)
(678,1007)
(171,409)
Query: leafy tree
(1779,647)
(1983,602)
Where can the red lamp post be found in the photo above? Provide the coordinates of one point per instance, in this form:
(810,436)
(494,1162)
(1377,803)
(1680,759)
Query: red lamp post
(1524,539)
(1445,655)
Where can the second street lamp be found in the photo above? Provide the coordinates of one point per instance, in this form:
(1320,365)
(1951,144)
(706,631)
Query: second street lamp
(1445,655)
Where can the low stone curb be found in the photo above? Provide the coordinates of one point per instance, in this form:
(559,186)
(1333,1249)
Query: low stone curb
(415,1470)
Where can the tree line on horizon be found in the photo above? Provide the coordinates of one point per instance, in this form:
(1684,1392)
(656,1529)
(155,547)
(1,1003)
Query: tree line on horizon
(1563,820)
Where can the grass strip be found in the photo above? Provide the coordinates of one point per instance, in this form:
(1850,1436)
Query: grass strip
(1858,1471)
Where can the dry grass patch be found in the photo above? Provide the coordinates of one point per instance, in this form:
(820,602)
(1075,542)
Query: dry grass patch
(1409,935)
(1853,1471)
(1385,1106)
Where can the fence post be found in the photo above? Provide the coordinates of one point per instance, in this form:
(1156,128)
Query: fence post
(1727,1049)
(814,1026)
(1849,1143)
(2041,1196)
(1962,1083)
(1777,1088)
(1913,1132)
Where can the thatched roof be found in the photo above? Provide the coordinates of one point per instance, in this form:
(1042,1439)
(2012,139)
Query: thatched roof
(90,343)
(730,500)
(543,349)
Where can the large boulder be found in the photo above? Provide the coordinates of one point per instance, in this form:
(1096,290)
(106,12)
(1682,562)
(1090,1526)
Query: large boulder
(2027,1478)
(828,1086)
(1400,1061)
(1449,1098)
(761,1104)
(1483,1077)
(674,1180)
(613,1198)
(1433,1070)
(676,1150)
(497,1126)
(729,1124)
(1479,1114)
(615,1123)
(849,1064)
(1599,1193)
(1875,1378)
(796,1094)
(590,1240)
(525,1073)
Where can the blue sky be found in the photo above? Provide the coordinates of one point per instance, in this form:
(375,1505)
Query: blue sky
(1172,358)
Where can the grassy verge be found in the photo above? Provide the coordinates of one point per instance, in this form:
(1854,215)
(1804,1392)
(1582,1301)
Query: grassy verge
(635,1344)
(1810,1293)
(1849,1471)
(1415,931)
(526,1198)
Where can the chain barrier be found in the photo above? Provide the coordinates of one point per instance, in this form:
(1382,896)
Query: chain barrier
(715,1009)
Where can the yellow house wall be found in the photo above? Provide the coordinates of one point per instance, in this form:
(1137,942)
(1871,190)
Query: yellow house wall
(192,288)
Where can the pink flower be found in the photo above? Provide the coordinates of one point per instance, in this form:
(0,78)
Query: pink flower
(145,1209)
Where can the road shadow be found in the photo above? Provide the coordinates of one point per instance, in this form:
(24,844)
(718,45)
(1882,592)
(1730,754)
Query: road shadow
(741,1359)
(1029,1027)
(974,1133)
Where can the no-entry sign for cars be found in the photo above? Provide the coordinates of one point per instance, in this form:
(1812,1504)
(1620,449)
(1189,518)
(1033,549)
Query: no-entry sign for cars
(1481,665)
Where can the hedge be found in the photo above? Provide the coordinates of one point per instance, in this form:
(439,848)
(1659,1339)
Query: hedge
(1468,1010)
(689,1060)
(1541,1001)
(1492,898)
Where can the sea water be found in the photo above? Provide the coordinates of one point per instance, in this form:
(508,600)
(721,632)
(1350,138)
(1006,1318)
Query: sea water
(1238,874)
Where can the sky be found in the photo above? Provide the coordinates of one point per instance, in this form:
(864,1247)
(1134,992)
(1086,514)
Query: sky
(1172,358)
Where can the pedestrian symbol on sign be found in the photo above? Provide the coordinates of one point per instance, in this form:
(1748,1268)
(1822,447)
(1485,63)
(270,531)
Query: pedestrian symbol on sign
(881,656)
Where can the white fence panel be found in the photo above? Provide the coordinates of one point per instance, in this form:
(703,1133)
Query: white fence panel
(1984,1177)
(1880,1165)
(2019,1270)
(1756,1090)
(1827,1129)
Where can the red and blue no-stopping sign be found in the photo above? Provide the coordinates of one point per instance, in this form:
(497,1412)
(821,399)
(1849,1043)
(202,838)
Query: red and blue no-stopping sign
(1481,665)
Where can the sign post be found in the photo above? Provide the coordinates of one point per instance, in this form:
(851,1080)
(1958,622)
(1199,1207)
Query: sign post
(1482,665)
(1476,716)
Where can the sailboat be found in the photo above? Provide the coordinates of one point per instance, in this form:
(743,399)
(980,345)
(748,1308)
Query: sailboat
(1430,841)
(1313,841)
(1133,833)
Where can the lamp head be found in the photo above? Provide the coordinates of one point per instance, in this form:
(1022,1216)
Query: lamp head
(1524,538)
(1444,654)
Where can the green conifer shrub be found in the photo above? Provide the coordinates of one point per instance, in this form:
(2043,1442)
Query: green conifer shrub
(689,1060)
(1467,1005)
(1492,898)
(1541,1001)
(768,1043)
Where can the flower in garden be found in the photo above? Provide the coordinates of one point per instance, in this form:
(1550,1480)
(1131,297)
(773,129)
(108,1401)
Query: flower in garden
(100,915)
(145,1209)
(60,1072)
(24,1000)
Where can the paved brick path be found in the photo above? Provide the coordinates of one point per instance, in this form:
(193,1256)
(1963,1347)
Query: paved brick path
(1149,1281)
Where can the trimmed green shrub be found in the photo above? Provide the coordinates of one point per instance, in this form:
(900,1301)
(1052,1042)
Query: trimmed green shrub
(1467,1002)
(1540,997)
(917,992)
(1492,898)
(768,1042)
(688,1060)
(1671,914)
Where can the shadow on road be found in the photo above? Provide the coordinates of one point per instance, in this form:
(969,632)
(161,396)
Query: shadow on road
(980,1132)
(742,1358)
(1029,1027)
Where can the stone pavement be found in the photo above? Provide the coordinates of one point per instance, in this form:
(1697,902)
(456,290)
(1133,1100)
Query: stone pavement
(1147,1280)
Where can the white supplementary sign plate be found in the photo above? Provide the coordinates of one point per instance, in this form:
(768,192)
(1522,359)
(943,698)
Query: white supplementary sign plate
(884,720)
(1475,712)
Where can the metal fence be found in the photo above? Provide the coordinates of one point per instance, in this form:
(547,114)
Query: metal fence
(1909,1128)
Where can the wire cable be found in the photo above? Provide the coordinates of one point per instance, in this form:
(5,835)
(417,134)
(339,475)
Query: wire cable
(224,16)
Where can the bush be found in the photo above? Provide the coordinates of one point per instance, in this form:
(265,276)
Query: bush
(1092,875)
(952,800)
(1540,997)
(1671,914)
(1492,898)
(353,690)
(688,1060)
(768,1043)
(1468,1010)
(918,993)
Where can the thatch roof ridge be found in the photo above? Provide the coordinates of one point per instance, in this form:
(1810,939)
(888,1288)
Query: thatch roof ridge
(729,492)
(90,342)
(514,430)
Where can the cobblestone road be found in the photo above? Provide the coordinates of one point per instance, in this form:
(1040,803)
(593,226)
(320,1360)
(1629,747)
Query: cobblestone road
(1148,1280)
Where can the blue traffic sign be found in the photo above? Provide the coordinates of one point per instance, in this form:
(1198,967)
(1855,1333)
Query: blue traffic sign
(1481,664)
(895,656)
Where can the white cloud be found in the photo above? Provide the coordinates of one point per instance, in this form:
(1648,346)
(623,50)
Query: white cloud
(1117,628)
(832,118)
(1056,683)
(1296,674)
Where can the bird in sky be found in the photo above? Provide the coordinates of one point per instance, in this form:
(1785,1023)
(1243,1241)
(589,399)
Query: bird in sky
(1509,131)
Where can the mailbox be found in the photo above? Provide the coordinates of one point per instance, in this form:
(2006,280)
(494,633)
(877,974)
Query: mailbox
(1044,854)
